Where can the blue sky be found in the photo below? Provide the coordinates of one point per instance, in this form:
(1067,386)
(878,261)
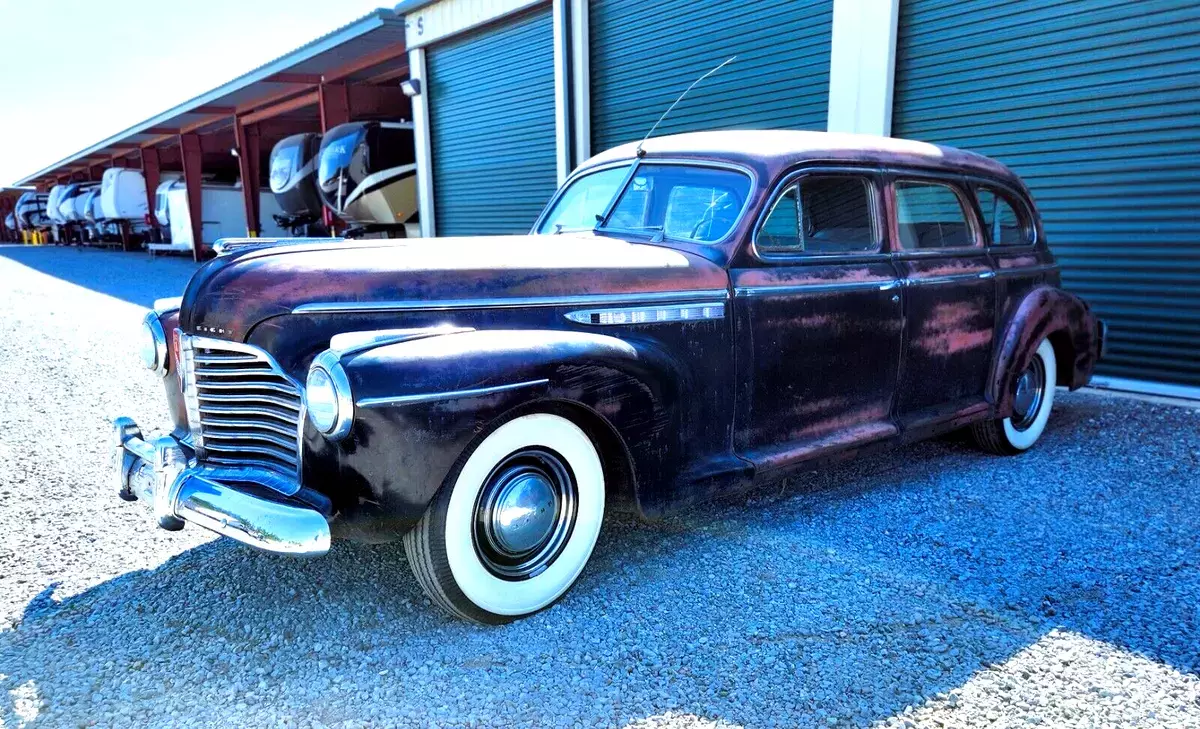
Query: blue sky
(74,72)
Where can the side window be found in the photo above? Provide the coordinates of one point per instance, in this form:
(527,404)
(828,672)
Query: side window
(821,214)
(930,216)
(1004,226)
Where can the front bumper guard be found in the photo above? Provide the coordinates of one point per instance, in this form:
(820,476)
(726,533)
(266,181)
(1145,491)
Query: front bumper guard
(158,473)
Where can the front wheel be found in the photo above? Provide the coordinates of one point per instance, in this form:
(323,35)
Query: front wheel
(1032,402)
(510,531)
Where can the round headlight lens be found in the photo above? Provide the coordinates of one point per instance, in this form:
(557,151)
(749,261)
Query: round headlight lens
(150,346)
(321,398)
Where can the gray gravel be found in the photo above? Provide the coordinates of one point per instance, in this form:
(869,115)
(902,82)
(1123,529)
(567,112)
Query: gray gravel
(933,586)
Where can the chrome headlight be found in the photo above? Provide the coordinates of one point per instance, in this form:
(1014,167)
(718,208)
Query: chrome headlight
(327,397)
(153,344)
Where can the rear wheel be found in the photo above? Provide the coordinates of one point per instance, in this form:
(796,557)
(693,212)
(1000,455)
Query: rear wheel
(513,526)
(1033,399)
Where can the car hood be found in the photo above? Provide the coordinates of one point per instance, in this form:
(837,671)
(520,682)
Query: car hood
(231,294)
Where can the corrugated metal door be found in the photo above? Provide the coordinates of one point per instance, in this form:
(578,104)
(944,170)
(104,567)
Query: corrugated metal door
(491,98)
(1095,103)
(644,54)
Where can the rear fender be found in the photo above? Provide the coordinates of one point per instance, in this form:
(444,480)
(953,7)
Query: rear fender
(1045,311)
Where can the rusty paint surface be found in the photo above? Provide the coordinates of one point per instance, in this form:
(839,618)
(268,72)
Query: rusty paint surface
(814,359)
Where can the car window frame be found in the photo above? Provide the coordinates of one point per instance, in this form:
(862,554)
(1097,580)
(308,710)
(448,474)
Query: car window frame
(634,163)
(875,185)
(959,185)
(661,236)
(576,177)
(1021,208)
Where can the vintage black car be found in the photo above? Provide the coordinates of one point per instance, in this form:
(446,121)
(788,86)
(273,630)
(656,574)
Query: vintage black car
(689,317)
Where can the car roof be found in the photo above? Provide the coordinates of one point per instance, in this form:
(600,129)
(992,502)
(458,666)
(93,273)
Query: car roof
(779,148)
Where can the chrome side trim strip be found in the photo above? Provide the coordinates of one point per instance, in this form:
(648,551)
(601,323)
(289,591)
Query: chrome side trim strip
(348,343)
(513,303)
(744,291)
(1026,270)
(939,280)
(399,400)
(704,311)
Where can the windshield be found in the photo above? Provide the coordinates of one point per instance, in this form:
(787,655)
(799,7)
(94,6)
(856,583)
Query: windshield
(685,202)
(582,204)
(682,202)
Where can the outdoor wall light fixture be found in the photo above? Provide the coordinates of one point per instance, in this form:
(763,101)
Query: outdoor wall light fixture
(411,87)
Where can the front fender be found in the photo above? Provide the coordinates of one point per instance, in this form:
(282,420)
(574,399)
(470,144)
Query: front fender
(1046,311)
(420,403)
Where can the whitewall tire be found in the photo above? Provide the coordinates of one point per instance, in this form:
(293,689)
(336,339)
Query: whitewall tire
(1033,399)
(515,522)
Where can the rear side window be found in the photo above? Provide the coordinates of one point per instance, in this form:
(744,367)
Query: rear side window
(821,214)
(931,216)
(1004,227)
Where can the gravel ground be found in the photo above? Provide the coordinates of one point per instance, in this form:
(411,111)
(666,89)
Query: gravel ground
(933,586)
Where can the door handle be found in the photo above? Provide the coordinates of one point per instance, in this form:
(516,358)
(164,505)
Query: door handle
(988,274)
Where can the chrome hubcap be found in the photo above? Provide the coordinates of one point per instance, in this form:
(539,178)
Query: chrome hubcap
(524,514)
(1027,400)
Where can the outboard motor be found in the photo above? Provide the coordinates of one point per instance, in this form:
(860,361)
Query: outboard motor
(367,175)
(294,183)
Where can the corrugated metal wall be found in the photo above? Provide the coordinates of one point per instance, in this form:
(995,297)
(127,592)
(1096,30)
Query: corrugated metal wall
(1096,104)
(491,98)
(644,54)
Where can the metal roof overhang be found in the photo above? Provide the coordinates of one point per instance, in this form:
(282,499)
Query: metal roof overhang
(355,52)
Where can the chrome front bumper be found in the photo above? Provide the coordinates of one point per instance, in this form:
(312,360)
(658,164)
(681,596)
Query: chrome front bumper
(161,474)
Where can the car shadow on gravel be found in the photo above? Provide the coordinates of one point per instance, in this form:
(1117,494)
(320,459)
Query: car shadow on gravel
(137,280)
(840,597)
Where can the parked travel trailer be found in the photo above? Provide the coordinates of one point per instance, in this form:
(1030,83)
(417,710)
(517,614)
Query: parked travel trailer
(123,195)
(52,201)
(31,211)
(367,175)
(293,180)
(223,215)
(161,212)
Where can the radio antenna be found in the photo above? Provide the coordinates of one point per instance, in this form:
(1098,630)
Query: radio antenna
(640,151)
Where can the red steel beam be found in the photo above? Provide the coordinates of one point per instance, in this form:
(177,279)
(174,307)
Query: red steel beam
(192,156)
(383,55)
(312,98)
(335,105)
(221,110)
(152,173)
(374,101)
(249,166)
(388,76)
(285,77)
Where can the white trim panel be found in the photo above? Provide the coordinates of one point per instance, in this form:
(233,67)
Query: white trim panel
(581,80)
(562,99)
(862,66)
(420,105)
(1144,387)
(443,19)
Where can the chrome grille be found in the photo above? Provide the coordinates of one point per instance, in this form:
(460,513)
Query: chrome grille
(242,408)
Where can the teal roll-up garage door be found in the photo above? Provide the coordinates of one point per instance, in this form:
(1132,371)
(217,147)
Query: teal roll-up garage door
(491,101)
(644,54)
(1096,104)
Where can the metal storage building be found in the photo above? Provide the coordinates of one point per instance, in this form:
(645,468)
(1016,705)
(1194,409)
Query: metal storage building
(1096,103)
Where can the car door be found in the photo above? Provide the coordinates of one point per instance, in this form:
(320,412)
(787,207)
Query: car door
(949,300)
(818,324)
